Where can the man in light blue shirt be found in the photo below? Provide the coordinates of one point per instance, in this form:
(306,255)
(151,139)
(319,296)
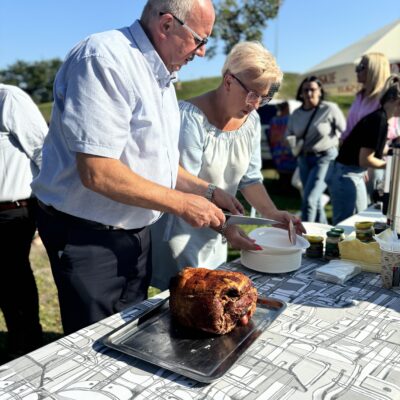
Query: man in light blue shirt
(22,133)
(110,162)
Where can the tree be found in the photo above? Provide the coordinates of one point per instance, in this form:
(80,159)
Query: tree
(34,78)
(241,20)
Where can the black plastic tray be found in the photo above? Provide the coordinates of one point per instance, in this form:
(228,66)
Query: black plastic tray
(157,339)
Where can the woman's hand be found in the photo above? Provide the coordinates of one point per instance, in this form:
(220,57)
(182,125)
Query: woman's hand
(285,217)
(238,239)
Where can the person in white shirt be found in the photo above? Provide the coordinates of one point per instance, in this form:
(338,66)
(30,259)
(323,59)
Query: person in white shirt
(22,133)
(110,163)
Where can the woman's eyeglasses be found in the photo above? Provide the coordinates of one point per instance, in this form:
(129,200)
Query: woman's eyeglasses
(254,98)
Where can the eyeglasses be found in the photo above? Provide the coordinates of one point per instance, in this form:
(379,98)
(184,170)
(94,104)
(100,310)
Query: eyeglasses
(360,67)
(198,40)
(254,98)
(306,90)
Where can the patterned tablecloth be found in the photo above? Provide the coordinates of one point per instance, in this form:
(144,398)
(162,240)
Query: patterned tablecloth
(331,342)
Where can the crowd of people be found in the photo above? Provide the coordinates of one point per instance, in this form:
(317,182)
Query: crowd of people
(127,186)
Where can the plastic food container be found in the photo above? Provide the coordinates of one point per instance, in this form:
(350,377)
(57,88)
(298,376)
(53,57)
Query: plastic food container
(364,231)
(316,249)
(278,255)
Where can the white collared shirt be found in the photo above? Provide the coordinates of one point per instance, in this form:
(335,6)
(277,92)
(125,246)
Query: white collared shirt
(22,132)
(114,98)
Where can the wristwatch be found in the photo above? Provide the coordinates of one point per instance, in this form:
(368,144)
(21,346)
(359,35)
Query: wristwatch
(210,191)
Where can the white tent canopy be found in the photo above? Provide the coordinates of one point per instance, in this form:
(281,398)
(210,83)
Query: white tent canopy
(337,72)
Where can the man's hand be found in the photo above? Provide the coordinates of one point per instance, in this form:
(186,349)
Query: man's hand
(199,212)
(227,202)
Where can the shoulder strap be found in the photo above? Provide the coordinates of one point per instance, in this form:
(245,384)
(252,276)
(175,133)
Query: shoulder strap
(309,121)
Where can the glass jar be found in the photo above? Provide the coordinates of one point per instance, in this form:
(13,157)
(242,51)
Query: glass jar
(340,231)
(379,227)
(332,245)
(316,249)
(364,231)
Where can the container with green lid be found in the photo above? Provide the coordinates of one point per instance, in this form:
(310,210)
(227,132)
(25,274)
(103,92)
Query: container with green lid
(340,231)
(332,245)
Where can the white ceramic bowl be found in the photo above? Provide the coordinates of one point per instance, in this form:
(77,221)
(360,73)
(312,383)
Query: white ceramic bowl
(278,254)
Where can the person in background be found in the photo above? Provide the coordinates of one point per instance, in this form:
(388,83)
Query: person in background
(372,72)
(363,148)
(110,161)
(320,124)
(22,133)
(220,142)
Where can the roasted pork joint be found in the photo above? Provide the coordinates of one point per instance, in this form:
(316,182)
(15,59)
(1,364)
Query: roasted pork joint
(212,300)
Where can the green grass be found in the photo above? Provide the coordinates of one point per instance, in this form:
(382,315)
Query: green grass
(45,108)
(188,89)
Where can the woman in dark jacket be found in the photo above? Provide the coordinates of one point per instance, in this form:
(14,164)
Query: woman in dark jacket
(363,148)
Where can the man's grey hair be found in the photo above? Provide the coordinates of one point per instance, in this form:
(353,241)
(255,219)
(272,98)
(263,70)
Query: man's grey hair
(179,8)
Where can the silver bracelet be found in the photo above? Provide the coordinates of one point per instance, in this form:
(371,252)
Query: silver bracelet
(210,191)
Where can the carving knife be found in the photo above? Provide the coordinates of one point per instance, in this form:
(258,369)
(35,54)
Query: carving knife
(243,220)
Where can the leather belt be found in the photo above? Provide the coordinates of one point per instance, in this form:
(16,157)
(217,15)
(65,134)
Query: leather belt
(82,222)
(11,205)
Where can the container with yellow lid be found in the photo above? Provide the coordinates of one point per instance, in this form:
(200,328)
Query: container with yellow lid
(364,231)
(316,249)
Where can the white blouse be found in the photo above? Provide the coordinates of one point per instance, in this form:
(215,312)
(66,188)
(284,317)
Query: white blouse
(229,159)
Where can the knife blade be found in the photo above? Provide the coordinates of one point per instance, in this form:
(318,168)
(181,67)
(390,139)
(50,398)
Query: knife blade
(292,233)
(243,220)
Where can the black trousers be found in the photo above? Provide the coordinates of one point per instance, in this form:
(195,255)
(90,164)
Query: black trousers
(98,272)
(18,292)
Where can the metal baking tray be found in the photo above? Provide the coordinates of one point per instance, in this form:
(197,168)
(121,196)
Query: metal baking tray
(205,357)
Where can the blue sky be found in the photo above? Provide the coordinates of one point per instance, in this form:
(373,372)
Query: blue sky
(305,33)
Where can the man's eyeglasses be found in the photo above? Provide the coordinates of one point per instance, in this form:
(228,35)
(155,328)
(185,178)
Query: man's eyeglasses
(360,67)
(254,98)
(198,40)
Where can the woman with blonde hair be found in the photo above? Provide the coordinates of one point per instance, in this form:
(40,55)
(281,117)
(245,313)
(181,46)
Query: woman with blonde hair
(220,141)
(364,148)
(372,72)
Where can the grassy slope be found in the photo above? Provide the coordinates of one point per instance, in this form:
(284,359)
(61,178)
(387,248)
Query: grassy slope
(186,90)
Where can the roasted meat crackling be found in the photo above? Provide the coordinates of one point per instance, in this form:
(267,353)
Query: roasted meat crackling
(212,300)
